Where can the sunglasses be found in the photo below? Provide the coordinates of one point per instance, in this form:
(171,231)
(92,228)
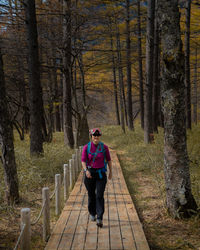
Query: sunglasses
(96,135)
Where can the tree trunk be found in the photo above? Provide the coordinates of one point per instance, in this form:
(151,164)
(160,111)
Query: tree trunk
(114,80)
(139,44)
(36,101)
(6,143)
(56,96)
(187,65)
(195,98)
(179,199)
(148,126)
(156,94)
(67,98)
(120,72)
(128,67)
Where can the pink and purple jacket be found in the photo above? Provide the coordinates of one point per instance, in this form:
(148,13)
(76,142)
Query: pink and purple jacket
(99,160)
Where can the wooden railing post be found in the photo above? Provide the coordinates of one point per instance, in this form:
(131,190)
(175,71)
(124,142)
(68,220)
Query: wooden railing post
(70,174)
(76,161)
(46,213)
(66,180)
(75,139)
(80,154)
(73,167)
(26,224)
(57,193)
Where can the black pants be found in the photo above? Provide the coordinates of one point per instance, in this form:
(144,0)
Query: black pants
(96,187)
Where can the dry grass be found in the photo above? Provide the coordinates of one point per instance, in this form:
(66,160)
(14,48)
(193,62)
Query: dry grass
(33,175)
(142,166)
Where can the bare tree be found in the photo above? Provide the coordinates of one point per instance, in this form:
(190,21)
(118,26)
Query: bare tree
(187,65)
(114,74)
(195,95)
(148,126)
(121,83)
(36,96)
(179,199)
(67,80)
(6,143)
(128,67)
(139,42)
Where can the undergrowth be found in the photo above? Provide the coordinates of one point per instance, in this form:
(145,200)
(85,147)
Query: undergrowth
(143,170)
(34,173)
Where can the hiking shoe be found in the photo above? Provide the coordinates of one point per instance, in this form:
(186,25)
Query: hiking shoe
(99,223)
(92,217)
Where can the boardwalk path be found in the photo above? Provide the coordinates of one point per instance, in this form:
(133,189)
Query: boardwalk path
(121,230)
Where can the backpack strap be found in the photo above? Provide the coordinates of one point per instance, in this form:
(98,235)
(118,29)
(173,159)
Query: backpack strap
(100,149)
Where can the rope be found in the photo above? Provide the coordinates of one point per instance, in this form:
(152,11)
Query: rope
(56,189)
(53,193)
(19,238)
(41,211)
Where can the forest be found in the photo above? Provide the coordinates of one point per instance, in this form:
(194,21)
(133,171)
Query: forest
(130,67)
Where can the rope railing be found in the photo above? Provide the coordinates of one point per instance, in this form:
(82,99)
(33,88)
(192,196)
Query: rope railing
(19,238)
(70,175)
(39,216)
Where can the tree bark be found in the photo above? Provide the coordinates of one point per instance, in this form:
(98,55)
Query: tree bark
(156,89)
(179,199)
(114,79)
(139,44)
(195,95)
(6,143)
(187,65)
(67,81)
(120,72)
(128,68)
(148,126)
(36,101)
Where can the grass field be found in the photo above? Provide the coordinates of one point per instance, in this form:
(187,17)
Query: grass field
(142,166)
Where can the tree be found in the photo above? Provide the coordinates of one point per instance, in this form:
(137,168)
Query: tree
(148,126)
(139,43)
(36,101)
(187,64)
(67,80)
(179,199)
(156,68)
(121,82)
(195,90)
(6,143)
(128,67)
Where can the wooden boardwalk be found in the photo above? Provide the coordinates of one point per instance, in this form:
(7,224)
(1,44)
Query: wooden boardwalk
(121,226)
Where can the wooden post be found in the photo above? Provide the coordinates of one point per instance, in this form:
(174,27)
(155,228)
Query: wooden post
(57,193)
(73,166)
(75,139)
(70,174)
(46,213)
(80,152)
(66,180)
(26,221)
(77,162)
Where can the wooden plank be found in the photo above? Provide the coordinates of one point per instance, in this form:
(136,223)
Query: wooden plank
(115,234)
(61,223)
(91,235)
(70,228)
(125,225)
(103,233)
(81,229)
(138,233)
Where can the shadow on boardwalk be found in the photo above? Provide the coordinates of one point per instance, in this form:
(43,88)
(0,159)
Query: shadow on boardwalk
(121,230)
